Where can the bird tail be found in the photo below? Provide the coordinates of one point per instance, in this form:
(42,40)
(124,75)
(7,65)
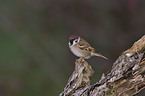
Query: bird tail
(99,55)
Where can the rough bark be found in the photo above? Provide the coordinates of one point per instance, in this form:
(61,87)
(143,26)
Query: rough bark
(126,78)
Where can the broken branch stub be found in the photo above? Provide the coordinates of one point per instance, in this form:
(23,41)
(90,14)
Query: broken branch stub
(80,79)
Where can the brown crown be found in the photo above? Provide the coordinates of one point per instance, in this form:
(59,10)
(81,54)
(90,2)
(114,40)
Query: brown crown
(73,37)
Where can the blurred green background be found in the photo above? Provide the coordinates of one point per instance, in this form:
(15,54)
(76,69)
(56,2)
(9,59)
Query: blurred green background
(34,56)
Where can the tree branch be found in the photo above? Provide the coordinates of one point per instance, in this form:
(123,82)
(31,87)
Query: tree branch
(126,78)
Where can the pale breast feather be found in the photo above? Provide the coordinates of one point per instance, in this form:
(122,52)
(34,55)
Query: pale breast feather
(76,51)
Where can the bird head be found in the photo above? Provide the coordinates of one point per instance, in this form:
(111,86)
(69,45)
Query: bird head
(73,39)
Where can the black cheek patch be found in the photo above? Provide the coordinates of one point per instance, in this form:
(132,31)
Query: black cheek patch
(71,41)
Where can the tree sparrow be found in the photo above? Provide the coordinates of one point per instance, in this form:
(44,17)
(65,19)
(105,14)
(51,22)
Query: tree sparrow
(82,48)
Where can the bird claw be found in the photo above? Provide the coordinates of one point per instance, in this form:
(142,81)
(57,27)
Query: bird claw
(81,58)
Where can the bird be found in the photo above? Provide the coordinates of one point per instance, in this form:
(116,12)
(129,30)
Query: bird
(81,48)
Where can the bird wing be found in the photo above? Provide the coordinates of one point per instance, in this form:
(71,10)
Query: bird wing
(86,46)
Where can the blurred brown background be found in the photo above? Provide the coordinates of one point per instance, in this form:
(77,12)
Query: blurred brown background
(34,56)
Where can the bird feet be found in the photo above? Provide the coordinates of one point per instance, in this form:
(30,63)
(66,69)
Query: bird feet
(80,59)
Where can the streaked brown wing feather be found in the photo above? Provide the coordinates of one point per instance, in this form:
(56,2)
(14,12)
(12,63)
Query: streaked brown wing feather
(86,46)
